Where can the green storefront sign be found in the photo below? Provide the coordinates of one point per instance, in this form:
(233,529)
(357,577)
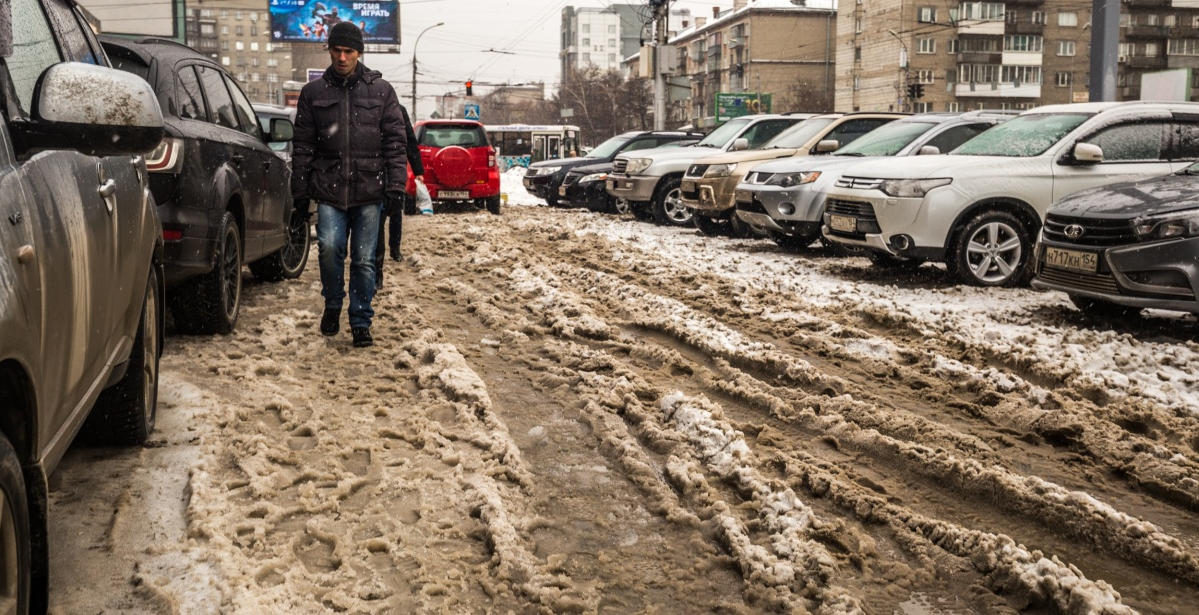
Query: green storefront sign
(731,105)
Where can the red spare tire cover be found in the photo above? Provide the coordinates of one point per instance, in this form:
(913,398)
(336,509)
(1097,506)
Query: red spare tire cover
(453,166)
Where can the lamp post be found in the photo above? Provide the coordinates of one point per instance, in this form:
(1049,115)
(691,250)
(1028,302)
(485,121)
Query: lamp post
(903,61)
(422,33)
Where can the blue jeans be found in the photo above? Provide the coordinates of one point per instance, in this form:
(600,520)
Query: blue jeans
(336,231)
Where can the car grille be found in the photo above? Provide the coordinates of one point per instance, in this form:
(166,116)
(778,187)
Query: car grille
(1095,232)
(1096,282)
(859,183)
(696,170)
(571,179)
(864,212)
(620,166)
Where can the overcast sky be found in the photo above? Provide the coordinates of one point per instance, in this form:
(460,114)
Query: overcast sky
(449,54)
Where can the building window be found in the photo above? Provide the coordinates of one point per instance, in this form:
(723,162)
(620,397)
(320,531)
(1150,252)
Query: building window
(240,46)
(857,54)
(207,28)
(270,47)
(922,107)
(224,45)
(238,30)
(225,30)
(253,30)
(272,62)
(857,26)
(611,29)
(254,61)
(951,75)
(253,16)
(952,46)
(1067,19)
(1170,21)
(1065,48)
(272,78)
(586,28)
(253,46)
(926,45)
(1021,74)
(225,61)
(857,83)
(586,58)
(926,14)
(1062,80)
(586,42)
(237,15)
(224,14)
(955,107)
(1152,19)
(1012,16)
(1038,17)
(924,76)
(977,11)
(1180,47)
(1152,50)
(254,77)
(1023,42)
(612,42)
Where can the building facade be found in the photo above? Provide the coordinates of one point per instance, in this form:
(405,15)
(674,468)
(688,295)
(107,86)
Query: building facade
(784,48)
(590,37)
(237,33)
(998,55)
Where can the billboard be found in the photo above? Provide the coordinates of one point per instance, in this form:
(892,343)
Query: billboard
(731,105)
(309,21)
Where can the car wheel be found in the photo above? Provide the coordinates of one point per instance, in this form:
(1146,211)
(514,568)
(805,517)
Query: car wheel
(551,200)
(621,207)
(1103,309)
(886,261)
(711,226)
(739,229)
(641,211)
(991,249)
(289,261)
(210,303)
(16,551)
(792,242)
(667,207)
(493,204)
(125,412)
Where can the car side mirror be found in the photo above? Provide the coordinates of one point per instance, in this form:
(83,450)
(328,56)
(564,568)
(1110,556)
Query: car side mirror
(282,130)
(739,145)
(94,110)
(827,145)
(1087,153)
(929,150)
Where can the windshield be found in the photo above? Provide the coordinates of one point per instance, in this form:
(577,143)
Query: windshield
(798,134)
(721,136)
(1026,135)
(607,148)
(886,140)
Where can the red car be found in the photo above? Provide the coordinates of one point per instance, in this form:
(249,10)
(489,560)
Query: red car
(460,165)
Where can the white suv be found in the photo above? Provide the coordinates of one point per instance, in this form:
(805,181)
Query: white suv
(980,208)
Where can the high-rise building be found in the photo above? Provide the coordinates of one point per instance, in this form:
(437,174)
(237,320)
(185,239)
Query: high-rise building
(590,37)
(237,33)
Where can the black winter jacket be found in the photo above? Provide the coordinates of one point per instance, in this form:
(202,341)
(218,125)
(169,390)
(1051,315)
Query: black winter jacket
(350,142)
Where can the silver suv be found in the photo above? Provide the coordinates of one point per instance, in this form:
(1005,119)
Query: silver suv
(649,180)
(81,273)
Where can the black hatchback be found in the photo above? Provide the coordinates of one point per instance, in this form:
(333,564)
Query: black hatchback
(223,193)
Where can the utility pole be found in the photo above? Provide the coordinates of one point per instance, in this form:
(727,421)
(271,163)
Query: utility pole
(412,109)
(662,16)
(1105,44)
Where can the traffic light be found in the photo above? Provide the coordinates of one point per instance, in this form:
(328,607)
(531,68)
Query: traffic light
(915,91)
(469,91)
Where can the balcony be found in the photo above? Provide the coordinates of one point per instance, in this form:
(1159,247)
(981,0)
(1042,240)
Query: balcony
(980,26)
(980,57)
(1025,27)
(1152,62)
(1148,3)
(1146,32)
(998,90)
(1023,3)
(736,41)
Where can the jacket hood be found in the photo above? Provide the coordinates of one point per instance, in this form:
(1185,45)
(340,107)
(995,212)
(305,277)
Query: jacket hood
(1155,195)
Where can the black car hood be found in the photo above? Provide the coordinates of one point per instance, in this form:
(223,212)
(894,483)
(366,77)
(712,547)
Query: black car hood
(602,167)
(1131,199)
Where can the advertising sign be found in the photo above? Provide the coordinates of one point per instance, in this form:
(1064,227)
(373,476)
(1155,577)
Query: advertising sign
(315,73)
(731,105)
(309,21)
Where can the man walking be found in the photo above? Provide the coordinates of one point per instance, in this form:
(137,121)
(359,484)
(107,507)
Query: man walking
(349,155)
(393,210)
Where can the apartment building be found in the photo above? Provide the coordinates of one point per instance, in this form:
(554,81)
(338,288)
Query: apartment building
(998,55)
(784,48)
(590,37)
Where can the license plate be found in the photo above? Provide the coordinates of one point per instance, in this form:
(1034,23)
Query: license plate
(845,224)
(687,186)
(610,184)
(561,190)
(1071,259)
(743,196)
(454,194)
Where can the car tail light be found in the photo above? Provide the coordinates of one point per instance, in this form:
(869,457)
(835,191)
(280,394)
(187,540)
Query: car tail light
(167,157)
(171,235)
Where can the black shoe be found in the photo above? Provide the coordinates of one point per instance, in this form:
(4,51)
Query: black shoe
(331,322)
(362,337)
(396,256)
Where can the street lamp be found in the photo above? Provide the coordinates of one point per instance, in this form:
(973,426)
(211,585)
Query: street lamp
(422,33)
(903,63)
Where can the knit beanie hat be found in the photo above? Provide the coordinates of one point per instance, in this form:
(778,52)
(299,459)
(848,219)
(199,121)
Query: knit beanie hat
(346,34)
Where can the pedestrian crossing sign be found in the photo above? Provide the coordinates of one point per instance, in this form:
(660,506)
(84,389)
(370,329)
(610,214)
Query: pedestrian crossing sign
(472,112)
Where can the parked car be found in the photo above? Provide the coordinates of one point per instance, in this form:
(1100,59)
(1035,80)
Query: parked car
(649,180)
(81,276)
(585,186)
(460,164)
(979,208)
(544,179)
(784,199)
(708,186)
(223,194)
(1128,246)
(266,113)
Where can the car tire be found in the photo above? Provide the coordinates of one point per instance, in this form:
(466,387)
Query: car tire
(124,414)
(991,249)
(667,207)
(621,207)
(641,210)
(288,262)
(711,226)
(16,545)
(1103,309)
(211,302)
(551,200)
(886,261)
(739,229)
(792,242)
(494,203)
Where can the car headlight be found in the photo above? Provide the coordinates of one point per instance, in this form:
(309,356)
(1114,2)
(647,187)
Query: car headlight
(1166,226)
(720,170)
(548,170)
(637,165)
(594,177)
(912,188)
(787,180)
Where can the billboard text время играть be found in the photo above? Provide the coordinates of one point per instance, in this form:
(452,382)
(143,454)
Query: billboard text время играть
(309,21)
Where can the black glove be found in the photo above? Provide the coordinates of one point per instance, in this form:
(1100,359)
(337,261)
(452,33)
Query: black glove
(302,205)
